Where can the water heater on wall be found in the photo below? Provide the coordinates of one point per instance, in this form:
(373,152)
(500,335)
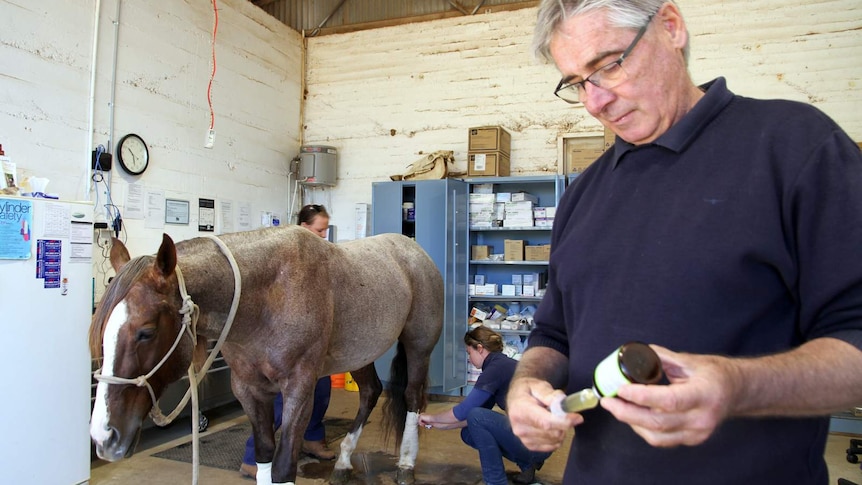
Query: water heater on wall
(317,165)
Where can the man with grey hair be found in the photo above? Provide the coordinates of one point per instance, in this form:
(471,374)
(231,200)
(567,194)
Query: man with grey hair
(724,230)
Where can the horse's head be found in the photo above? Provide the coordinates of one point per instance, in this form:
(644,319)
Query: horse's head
(133,330)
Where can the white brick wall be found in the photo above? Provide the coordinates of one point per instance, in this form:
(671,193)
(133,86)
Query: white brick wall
(384,96)
(163,68)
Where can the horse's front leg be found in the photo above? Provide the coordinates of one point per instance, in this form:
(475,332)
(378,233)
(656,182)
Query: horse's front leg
(258,406)
(295,415)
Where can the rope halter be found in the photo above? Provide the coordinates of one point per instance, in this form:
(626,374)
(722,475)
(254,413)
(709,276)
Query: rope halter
(190,312)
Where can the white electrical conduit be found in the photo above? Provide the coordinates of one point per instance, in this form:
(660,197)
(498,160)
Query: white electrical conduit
(90,121)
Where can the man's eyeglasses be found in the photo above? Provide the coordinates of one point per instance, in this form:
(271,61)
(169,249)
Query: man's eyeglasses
(606,77)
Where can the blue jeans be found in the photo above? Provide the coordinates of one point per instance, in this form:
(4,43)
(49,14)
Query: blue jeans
(315,431)
(490,433)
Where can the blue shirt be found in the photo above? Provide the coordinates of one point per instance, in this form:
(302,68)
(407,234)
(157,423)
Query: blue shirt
(737,232)
(491,386)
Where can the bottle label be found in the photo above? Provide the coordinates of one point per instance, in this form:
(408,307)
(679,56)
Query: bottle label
(608,376)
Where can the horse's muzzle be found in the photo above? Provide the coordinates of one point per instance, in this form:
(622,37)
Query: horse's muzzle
(114,448)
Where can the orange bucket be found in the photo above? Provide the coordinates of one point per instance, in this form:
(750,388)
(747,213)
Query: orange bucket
(337,381)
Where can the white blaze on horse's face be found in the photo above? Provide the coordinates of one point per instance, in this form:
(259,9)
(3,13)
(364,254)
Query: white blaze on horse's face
(99,430)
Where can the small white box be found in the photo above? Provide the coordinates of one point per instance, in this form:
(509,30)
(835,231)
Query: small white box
(504,196)
(529,291)
(483,188)
(471,289)
(479,280)
(499,211)
(507,290)
(518,196)
(516,279)
(519,205)
(478,314)
(482,198)
(550,212)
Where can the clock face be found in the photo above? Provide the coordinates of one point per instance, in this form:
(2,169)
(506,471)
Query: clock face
(133,154)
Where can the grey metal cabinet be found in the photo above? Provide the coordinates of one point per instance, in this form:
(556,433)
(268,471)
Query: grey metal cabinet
(439,225)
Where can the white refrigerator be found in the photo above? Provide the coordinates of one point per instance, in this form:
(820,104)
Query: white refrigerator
(46,283)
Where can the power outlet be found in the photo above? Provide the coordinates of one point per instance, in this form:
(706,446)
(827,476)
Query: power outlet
(209,141)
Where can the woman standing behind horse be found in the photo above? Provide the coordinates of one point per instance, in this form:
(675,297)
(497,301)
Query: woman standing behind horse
(314,218)
(486,430)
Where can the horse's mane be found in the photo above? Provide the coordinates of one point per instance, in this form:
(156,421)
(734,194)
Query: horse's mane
(130,273)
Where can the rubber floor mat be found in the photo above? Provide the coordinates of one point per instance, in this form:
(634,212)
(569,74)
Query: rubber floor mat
(224,449)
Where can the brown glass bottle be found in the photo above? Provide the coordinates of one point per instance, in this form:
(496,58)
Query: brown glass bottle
(631,363)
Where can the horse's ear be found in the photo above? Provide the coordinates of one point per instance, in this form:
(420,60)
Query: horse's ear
(166,259)
(119,254)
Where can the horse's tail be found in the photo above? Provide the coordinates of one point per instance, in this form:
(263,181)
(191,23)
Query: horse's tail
(395,408)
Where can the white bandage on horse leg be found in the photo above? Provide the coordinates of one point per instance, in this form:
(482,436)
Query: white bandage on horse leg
(264,474)
(410,441)
(348,445)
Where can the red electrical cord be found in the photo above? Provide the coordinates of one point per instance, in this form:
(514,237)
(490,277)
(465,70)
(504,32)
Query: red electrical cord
(212,76)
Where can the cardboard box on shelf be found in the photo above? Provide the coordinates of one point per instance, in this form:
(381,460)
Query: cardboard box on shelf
(480,251)
(537,253)
(487,164)
(513,250)
(489,139)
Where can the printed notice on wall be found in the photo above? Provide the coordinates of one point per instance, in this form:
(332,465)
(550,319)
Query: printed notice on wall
(226,209)
(57,221)
(243,218)
(206,215)
(16,216)
(134,208)
(155,209)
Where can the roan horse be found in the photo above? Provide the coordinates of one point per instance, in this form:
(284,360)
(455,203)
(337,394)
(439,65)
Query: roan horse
(307,308)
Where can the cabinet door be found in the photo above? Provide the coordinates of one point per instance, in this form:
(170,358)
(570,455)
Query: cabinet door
(386,199)
(441,228)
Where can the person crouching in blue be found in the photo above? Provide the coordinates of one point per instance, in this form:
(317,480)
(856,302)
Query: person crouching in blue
(486,430)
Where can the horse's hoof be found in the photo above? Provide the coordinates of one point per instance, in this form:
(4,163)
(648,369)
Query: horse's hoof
(340,476)
(405,476)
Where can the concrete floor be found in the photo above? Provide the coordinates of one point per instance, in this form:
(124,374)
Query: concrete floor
(443,458)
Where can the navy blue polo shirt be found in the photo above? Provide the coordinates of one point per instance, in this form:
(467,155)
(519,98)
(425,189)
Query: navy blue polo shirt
(491,386)
(737,232)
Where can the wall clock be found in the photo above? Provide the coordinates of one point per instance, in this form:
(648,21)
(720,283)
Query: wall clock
(133,154)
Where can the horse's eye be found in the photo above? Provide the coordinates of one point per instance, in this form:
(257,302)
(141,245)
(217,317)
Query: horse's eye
(145,334)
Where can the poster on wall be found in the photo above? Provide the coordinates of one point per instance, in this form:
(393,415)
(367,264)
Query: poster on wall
(16,217)
(206,215)
(176,211)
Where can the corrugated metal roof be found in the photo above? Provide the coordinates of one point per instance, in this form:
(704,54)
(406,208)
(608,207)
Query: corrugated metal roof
(319,17)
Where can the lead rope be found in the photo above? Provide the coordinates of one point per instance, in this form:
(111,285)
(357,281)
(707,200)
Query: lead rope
(193,377)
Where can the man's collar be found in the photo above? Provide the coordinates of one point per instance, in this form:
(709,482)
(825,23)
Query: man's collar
(683,133)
